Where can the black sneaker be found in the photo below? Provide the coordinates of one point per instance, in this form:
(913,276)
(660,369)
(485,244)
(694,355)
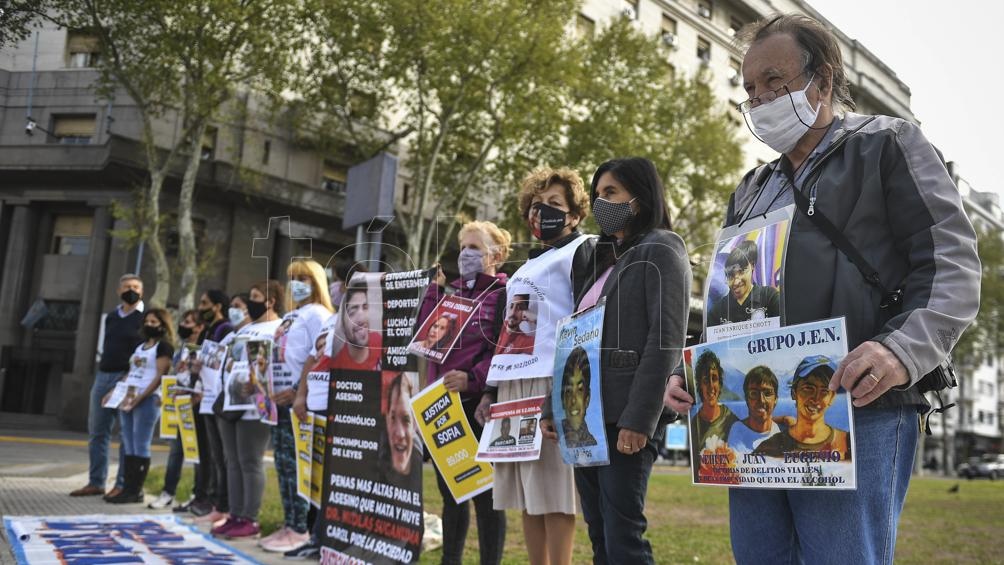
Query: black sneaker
(312,550)
(200,507)
(183,507)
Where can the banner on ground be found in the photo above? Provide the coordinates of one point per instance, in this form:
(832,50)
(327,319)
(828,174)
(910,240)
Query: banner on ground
(303,441)
(186,426)
(87,540)
(372,480)
(168,410)
(451,441)
(765,417)
(512,432)
(742,294)
(441,330)
(576,394)
(214,357)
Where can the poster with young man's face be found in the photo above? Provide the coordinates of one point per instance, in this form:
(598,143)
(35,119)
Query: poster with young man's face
(743,291)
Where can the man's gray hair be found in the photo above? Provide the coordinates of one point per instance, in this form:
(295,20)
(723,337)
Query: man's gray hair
(819,47)
(130,277)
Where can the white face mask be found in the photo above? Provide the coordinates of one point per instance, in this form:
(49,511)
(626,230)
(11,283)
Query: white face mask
(783,121)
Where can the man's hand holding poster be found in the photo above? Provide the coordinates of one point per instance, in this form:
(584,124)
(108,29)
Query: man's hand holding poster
(765,417)
(575,396)
(451,441)
(743,289)
(441,330)
(512,432)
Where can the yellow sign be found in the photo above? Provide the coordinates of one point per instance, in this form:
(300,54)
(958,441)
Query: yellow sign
(168,411)
(317,464)
(451,442)
(186,425)
(303,436)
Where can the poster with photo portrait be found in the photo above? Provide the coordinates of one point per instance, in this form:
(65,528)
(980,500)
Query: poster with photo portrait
(744,289)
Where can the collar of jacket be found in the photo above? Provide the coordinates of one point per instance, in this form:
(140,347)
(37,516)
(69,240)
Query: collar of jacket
(534,253)
(481,282)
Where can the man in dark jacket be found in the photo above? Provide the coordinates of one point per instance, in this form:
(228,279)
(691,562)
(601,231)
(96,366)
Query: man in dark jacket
(120,336)
(890,195)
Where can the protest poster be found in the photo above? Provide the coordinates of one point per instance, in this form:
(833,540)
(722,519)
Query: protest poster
(765,417)
(102,539)
(118,395)
(498,442)
(282,374)
(372,497)
(441,330)
(320,423)
(536,297)
(742,293)
(213,356)
(168,411)
(451,441)
(372,480)
(186,426)
(247,375)
(303,441)
(576,394)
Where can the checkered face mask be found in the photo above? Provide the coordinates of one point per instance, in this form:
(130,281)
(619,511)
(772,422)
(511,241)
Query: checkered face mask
(612,217)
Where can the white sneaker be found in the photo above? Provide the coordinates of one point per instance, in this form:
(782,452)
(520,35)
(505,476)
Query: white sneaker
(163,501)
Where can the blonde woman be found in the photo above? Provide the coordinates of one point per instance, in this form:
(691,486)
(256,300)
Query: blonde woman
(308,306)
(553,202)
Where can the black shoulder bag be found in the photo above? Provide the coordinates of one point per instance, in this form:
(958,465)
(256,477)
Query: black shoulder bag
(943,376)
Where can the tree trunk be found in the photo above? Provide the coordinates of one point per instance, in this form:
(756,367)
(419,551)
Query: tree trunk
(162,288)
(187,256)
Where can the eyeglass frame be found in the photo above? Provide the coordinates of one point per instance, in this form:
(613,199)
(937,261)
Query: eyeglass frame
(746,106)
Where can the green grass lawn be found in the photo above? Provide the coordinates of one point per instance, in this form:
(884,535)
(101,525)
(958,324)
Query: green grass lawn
(688,524)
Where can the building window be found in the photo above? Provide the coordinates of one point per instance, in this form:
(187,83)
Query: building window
(75,129)
(704,50)
(82,50)
(334,178)
(61,316)
(585,27)
(208,144)
(670,73)
(266,152)
(669,36)
(71,235)
(735,72)
(735,24)
(704,9)
(630,9)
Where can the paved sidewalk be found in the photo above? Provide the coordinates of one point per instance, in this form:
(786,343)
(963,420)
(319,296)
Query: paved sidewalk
(37,473)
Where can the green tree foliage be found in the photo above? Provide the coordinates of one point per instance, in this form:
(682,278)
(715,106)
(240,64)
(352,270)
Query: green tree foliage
(187,59)
(18,18)
(986,335)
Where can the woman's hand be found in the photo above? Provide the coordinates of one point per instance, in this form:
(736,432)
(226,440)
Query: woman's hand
(300,406)
(483,412)
(440,275)
(676,396)
(284,398)
(547,429)
(630,442)
(455,381)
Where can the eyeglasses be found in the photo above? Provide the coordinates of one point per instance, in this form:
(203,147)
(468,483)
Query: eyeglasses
(769,96)
(737,272)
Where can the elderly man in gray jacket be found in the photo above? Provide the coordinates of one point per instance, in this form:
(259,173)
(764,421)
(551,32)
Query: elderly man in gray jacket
(885,189)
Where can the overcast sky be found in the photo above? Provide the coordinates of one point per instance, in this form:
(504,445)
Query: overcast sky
(950,55)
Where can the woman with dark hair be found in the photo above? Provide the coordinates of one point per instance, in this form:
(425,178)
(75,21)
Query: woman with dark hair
(440,333)
(140,411)
(643,271)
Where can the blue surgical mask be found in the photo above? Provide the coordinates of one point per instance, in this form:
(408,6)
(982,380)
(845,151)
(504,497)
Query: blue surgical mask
(300,290)
(236,316)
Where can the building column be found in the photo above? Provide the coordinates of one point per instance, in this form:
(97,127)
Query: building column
(77,384)
(17,272)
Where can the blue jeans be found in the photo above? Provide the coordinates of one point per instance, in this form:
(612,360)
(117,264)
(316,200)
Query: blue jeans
(613,503)
(779,526)
(138,425)
(175,463)
(99,430)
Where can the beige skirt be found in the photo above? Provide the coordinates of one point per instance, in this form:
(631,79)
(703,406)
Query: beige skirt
(544,486)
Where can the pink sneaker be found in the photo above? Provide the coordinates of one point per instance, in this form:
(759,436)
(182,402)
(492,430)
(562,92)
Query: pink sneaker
(274,536)
(244,529)
(211,518)
(291,541)
(222,530)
